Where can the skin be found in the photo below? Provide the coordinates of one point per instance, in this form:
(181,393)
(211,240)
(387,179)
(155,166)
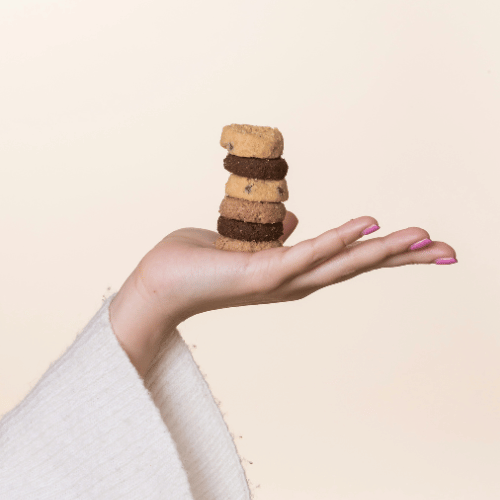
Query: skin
(185,274)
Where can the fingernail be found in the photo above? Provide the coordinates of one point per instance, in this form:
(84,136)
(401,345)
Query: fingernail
(420,244)
(370,229)
(448,260)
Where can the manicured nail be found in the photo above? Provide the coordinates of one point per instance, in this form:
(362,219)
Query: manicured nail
(420,244)
(448,260)
(370,229)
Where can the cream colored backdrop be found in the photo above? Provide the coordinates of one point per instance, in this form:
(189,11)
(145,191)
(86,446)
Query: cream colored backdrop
(110,116)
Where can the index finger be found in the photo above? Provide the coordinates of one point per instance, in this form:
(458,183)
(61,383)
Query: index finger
(308,254)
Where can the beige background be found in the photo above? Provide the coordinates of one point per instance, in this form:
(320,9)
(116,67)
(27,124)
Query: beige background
(110,116)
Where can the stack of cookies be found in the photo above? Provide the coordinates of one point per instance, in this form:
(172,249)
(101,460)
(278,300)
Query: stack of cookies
(252,213)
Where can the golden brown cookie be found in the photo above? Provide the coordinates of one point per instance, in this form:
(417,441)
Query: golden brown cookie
(252,211)
(256,189)
(224,243)
(252,141)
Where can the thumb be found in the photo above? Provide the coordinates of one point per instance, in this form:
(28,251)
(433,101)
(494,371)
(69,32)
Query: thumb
(289,224)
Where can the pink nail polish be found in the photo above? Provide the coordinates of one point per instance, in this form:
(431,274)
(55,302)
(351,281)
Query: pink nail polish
(447,260)
(370,229)
(421,244)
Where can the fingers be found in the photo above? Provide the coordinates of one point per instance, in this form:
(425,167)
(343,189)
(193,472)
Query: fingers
(308,254)
(289,225)
(436,252)
(373,252)
(392,250)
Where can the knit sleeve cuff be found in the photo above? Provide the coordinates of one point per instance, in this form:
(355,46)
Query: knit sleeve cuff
(195,422)
(93,429)
(90,430)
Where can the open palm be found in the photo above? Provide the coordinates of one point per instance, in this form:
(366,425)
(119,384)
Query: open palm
(187,264)
(185,274)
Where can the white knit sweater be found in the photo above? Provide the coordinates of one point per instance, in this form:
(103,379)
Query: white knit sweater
(93,429)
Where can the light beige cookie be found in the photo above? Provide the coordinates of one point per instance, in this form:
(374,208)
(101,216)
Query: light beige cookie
(256,189)
(252,211)
(225,243)
(252,141)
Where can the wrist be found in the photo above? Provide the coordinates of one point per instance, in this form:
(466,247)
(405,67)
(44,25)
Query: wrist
(140,324)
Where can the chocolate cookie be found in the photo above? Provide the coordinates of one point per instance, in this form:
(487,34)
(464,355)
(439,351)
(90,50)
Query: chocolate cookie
(252,141)
(252,211)
(224,243)
(249,231)
(256,168)
(256,189)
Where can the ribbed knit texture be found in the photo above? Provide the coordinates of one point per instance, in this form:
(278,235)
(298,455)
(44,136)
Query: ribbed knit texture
(91,430)
(195,423)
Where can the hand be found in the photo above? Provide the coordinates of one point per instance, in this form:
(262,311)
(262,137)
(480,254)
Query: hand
(185,275)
